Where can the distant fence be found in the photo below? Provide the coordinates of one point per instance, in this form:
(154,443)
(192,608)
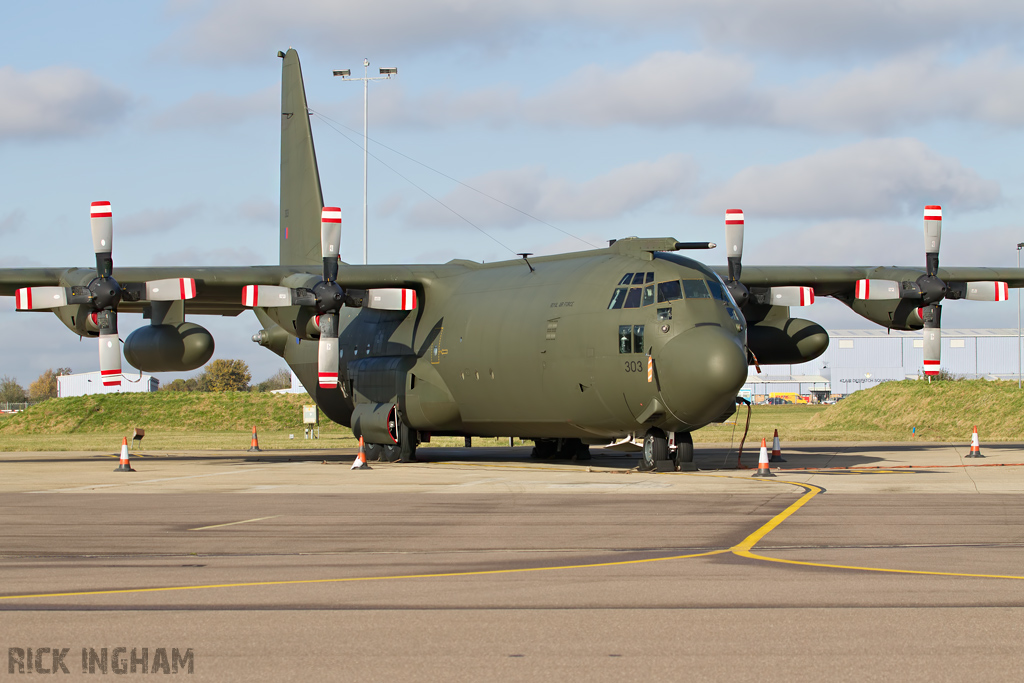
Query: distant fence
(12,407)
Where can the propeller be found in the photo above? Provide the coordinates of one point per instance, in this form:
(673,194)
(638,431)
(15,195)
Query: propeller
(326,297)
(104,293)
(775,296)
(930,290)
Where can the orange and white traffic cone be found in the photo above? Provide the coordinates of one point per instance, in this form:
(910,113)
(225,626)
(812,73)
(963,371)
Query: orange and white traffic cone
(255,447)
(975,446)
(763,469)
(776,449)
(360,462)
(125,465)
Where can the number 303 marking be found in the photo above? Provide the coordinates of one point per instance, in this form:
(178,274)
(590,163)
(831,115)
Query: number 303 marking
(635,366)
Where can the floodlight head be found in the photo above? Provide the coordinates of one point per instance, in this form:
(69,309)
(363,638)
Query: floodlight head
(366,62)
(389,72)
(344,73)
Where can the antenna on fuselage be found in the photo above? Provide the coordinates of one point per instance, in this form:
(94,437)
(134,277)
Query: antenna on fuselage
(524,255)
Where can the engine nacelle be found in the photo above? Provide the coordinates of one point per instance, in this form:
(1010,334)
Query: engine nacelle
(786,341)
(169,348)
(898,314)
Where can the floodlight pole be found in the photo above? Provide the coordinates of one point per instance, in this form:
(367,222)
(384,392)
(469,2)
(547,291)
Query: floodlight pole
(1020,245)
(346,75)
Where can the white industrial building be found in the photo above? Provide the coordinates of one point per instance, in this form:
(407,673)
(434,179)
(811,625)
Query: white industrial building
(860,359)
(86,383)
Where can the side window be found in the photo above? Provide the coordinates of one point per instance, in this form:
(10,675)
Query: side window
(648,294)
(664,314)
(638,339)
(625,339)
(633,298)
(618,296)
(695,289)
(669,291)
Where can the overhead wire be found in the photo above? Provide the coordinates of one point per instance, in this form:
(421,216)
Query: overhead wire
(329,121)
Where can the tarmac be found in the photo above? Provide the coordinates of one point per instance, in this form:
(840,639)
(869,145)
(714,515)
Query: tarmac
(855,562)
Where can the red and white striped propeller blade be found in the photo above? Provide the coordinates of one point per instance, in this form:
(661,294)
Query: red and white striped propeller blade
(877,290)
(40,298)
(791,296)
(391,299)
(266,296)
(988,291)
(175,289)
(110,360)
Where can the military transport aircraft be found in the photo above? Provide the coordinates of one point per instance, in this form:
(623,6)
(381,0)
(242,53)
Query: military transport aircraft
(570,350)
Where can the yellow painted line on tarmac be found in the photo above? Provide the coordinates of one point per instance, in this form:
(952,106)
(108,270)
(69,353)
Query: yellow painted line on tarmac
(244,521)
(742,549)
(358,578)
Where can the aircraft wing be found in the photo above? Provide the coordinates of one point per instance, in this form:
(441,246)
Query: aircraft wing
(832,280)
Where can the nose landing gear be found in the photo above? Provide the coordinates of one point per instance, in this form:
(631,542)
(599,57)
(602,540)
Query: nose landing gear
(659,453)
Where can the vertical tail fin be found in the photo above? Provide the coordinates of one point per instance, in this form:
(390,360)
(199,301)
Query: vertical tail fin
(301,197)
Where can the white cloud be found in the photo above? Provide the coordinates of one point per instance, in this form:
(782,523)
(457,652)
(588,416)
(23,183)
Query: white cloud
(909,90)
(533,192)
(216,110)
(12,221)
(881,177)
(156,221)
(243,29)
(56,102)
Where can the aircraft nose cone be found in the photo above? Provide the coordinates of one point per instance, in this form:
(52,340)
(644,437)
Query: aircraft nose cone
(700,372)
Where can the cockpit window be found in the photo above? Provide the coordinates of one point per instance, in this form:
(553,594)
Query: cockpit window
(625,339)
(626,279)
(717,290)
(618,297)
(669,291)
(648,295)
(633,298)
(695,289)
(638,278)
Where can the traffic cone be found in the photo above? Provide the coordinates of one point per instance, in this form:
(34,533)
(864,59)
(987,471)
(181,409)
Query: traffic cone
(975,446)
(125,465)
(776,449)
(763,469)
(360,462)
(255,447)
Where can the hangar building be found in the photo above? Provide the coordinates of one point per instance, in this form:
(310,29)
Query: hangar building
(860,359)
(85,383)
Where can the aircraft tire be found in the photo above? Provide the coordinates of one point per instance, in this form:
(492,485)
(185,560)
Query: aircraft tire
(544,448)
(655,449)
(684,452)
(374,452)
(405,449)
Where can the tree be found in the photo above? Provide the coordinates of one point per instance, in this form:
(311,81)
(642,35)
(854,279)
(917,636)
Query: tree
(46,385)
(282,379)
(225,375)
(11,391)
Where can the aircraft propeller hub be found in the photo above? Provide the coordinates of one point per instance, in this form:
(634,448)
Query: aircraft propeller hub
(329,297)
(106,293)
(933,289)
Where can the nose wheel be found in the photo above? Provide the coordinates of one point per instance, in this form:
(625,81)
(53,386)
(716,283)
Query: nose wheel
(658,456)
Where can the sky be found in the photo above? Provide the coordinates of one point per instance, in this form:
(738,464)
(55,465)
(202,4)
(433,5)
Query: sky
(535,126)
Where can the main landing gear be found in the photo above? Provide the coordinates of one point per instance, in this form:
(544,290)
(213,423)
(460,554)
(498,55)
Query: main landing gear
(658,456)
(560,449)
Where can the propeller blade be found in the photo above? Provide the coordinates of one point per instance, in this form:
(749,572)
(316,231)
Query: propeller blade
(877,289)
(791,296)
(40,298)
(988,291)
(327,351)
(110,348)
(734,242)
(175,289)
(102,224)
(932,338)
(391,299)
(330,241)
(932,237)
(266,296)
